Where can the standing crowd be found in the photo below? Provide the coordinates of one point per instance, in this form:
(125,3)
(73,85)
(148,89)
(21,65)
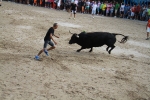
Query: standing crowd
(109,9)
(115,9)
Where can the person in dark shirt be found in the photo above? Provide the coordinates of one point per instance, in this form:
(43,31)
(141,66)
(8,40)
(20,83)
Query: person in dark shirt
(48,40)
(82,6)
(73,9)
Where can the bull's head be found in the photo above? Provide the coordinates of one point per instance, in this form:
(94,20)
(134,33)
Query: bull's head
(74,38)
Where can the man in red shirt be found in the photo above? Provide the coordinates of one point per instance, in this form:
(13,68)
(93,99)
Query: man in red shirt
(138,8)
(133,9)
(148,29)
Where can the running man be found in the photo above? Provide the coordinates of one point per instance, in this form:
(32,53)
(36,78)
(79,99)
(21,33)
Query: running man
(48,40)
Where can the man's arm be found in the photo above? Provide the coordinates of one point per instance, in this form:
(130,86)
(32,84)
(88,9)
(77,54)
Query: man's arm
(53,39)
(56,36)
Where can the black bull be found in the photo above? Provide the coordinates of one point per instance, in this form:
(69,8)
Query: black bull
(96,39)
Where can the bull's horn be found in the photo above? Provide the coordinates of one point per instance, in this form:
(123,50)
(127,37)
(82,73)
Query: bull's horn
(70,32)
(77,36)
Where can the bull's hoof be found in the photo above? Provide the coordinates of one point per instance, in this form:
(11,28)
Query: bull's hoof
(109,52)
(90,51)
(78,51)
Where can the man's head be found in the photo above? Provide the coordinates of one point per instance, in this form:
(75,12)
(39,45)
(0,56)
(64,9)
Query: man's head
(55,25)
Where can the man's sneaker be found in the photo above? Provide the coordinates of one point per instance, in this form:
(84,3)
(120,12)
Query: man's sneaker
(37,57)
(46,52)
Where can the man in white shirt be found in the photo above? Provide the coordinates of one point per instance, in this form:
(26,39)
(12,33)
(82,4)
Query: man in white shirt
(94,9)
(122,10)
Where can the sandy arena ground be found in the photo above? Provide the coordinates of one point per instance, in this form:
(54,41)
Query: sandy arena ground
(66,74)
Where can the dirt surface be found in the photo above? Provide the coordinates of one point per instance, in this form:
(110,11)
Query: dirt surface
(66,74)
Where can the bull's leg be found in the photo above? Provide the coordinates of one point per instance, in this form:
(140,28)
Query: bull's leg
(80,49)
(107,48)
(111,49)
(91,49)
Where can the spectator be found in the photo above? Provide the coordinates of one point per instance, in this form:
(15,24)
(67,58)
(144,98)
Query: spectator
(126,9)
(58,4)
(91,5)
(116,8)
(122,10)
(138,8)
(141,11)
(41,3)
(82,6)
(98,7)
(135,13)
(133,9)
(109,5)
(112,9)
(38,3)
(63,4)
(73,9)
(34,4)
(30,2)
(87,6)
(144,10)
(129,14)
(47,4)
(68,5)
(101,8)
(148,11)
(79,6)
(94,9)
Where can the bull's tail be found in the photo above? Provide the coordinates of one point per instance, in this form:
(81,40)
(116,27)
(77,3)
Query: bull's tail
(124,39)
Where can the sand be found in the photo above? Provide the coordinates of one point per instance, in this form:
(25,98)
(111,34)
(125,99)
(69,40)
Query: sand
(65,74)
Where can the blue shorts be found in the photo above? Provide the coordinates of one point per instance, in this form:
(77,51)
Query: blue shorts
(48,42)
